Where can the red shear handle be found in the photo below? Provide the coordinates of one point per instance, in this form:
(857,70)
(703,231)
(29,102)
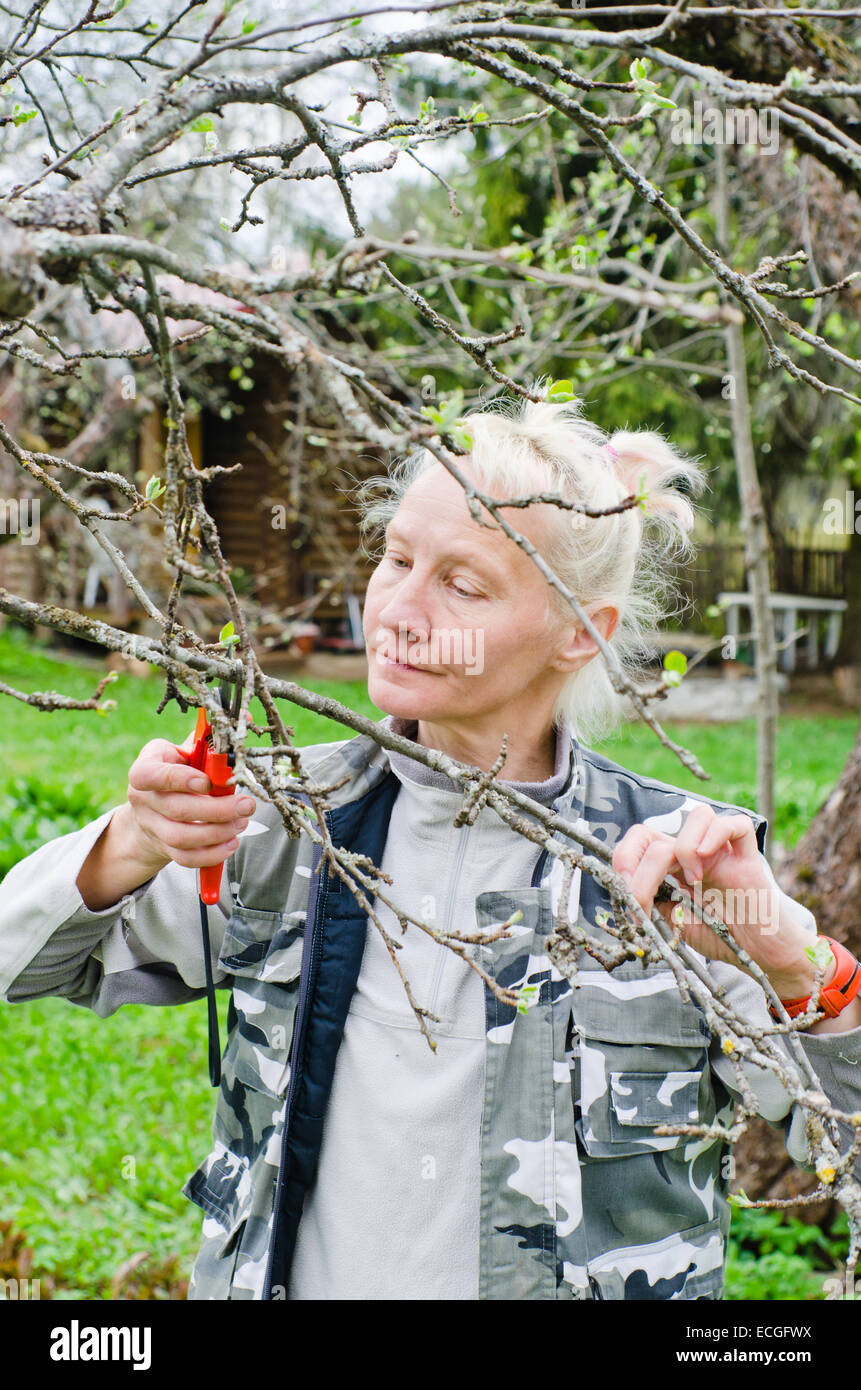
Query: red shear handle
(218,770)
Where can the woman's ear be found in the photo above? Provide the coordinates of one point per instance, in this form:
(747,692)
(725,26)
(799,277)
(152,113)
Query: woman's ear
(577,646)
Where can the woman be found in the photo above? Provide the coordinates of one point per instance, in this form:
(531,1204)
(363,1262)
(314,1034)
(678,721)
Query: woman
(519,1159)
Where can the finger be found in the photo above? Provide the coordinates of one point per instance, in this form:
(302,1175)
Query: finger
(162,750)
(631,848)
(204,858)
(180,835)
(688,840)
(656,862)
(738,830)
(195,807)
(163,772)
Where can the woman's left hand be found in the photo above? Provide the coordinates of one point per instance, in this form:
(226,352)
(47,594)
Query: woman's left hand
(717,858)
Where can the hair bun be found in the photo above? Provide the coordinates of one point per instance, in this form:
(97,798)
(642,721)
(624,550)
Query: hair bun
(643,461)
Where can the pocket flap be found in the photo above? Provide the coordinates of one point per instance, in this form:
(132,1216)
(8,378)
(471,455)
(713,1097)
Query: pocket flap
(647,1008)
(221,1187)
(261,944)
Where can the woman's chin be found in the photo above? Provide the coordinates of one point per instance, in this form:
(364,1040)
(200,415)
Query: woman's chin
(403,703)
(396,702)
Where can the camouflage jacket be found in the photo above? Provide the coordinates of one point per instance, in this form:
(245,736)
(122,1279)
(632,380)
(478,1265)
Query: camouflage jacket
(579,1197)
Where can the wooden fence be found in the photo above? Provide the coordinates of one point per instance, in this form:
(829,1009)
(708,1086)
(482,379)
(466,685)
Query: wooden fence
(718,566)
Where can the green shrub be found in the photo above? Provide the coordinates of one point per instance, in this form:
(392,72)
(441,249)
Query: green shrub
(33,811)
(772,1255)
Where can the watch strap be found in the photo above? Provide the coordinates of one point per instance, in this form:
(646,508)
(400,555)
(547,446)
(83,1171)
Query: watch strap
(840,990)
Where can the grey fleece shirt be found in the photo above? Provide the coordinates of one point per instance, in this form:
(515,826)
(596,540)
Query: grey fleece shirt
(394,1210)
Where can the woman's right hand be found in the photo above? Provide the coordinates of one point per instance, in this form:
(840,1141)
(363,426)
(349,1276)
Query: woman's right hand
(169,815)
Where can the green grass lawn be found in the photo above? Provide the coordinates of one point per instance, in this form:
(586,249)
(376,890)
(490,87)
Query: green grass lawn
(101,1120)
(100,749)
(811,753)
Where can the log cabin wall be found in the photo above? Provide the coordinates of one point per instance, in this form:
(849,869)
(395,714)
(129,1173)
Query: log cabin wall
(286,516)
(241,503)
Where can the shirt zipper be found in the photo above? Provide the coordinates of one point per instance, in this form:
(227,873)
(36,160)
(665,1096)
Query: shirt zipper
(450,904)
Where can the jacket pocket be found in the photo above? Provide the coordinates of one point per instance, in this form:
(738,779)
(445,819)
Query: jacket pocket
(221,1187)
(263,951)
(261,944)
(686,1265)
(640,1062)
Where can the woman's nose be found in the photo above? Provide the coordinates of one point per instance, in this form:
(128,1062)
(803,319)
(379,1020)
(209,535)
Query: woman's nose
(411,629)
(405,609)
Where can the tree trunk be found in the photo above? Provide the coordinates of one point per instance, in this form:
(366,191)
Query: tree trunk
(753,528)
(824,873)
(850,642)
(824,869)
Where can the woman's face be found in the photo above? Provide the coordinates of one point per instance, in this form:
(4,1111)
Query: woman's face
(456,619)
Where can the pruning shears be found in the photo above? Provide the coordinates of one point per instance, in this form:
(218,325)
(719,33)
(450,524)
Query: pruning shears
(207,757)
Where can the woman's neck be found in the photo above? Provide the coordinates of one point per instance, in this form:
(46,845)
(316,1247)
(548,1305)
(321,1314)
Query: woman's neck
(526,760)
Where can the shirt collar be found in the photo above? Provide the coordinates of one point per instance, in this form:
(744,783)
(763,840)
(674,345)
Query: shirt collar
(416,773)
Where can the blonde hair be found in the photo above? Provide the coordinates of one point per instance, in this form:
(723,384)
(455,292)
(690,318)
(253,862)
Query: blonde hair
(520,447)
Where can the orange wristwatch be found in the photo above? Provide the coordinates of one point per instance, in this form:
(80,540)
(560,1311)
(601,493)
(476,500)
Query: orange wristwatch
(840,990)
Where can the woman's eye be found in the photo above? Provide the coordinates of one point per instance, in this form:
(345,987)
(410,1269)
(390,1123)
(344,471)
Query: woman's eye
(398,561)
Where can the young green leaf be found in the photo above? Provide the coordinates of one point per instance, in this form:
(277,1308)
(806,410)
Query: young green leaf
(526,998)
(740,1199)
(561,390)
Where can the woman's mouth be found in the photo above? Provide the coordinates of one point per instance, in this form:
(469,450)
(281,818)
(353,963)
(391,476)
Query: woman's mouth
(389,665)
(397,665)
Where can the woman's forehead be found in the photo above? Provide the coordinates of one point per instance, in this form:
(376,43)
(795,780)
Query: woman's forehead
(436,488)
(437,494)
